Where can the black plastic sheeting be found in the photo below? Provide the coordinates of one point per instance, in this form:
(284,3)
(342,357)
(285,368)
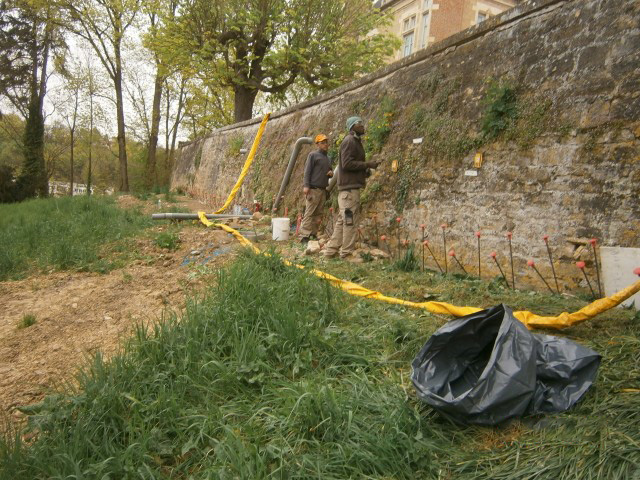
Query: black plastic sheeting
(487,367)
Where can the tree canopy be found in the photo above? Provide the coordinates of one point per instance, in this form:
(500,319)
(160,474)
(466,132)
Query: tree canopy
(256,46)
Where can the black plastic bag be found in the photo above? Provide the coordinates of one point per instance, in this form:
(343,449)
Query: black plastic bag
(487,367)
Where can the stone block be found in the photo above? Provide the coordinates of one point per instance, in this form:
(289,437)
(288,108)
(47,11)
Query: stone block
(313,247)
(617,271)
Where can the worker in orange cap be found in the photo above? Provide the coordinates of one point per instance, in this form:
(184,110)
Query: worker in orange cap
(317,172)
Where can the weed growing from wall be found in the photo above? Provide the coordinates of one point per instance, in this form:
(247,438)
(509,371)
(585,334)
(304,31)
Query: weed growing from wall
(444,135)
(369,192)
(334,150)
(534,116)
(379,127)
(198,157)
(407,173)
(500,109)
(235,144)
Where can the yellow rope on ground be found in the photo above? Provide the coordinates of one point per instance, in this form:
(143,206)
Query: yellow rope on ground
(531,320)
(247,165)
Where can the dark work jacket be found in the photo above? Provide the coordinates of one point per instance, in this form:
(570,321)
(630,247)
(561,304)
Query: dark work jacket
(315,170)
(352,168)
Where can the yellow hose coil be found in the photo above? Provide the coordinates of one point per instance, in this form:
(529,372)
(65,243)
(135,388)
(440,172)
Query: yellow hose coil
(531,320)
(247,165)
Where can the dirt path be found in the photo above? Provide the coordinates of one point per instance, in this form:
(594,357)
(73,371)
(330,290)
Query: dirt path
(78,314)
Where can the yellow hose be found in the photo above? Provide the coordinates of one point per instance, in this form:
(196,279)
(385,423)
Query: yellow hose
(531,320)
(247,165)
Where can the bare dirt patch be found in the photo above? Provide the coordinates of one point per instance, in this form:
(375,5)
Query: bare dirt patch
(79,313)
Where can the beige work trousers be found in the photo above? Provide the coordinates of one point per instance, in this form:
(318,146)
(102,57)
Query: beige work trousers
(344,236)
(314,201)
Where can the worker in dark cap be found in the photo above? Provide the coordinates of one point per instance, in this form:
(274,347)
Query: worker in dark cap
(316,178)
(352,177)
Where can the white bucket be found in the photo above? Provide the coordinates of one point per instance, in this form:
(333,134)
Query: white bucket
(280,228)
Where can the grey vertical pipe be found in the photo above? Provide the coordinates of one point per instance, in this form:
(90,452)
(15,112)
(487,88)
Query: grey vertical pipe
(292,163)
(333,180)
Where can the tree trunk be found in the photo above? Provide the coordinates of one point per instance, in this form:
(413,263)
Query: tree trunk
(122,144)
(176,125)
(243,103)
(90,143)
(33,180)
(151,175)
(72,149)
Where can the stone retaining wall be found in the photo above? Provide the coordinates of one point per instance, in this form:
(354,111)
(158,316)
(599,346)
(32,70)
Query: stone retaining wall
(567,164)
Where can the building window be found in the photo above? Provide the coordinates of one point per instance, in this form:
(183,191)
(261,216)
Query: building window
(409,23)
(407,44)
(482,16)
(427,4)
(425,29)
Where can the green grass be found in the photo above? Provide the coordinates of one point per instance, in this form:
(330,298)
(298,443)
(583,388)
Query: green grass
(274,374)
(407,261)
(66,233)
(168,240)
(27,320)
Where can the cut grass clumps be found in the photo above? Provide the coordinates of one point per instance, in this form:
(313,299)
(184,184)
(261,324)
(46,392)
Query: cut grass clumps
(27,320)
(64,233)
(275,374)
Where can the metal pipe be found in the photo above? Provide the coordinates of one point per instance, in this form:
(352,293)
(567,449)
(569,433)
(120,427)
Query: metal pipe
(334,179)
(194,216)
(292,163)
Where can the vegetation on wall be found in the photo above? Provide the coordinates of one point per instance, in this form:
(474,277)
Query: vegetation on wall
(370,191)
(379,127)
(198,157)
(445,135)
(407,174)
(235,144)
(501,111)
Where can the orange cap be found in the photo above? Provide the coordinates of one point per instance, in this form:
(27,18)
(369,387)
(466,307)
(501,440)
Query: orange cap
(321,137)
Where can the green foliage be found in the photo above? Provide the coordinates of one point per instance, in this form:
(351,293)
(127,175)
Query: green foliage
(379,127)
(170,197)
(370,191)
(235,144)
(366,257)
(168,240)
(430,83)
(8,188)
(33,176)
(407,174)
(274,374)
(445,136)
(67,233)
(408,261)
(198,158)
(501,111)
(27,320)
(234,46)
